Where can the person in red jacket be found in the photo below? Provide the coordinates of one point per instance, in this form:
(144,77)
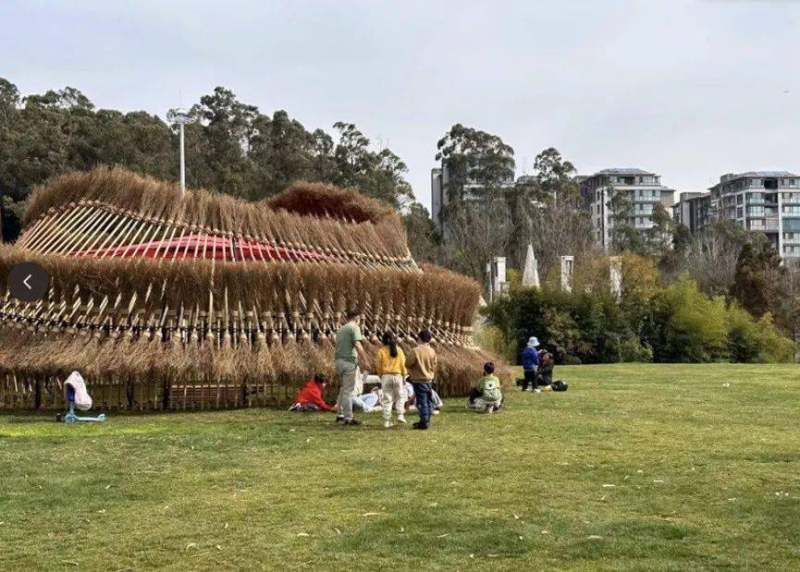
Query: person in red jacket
(309,398)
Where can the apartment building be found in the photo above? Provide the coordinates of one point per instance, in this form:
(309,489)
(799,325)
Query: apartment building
(693,210)
(762,201)
(643,188)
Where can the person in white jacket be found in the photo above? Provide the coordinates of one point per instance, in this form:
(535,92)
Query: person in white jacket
(76,386)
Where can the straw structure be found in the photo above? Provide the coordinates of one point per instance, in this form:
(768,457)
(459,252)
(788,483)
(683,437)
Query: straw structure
(205,301)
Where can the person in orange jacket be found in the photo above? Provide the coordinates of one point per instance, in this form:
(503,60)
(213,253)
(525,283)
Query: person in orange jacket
(309,398)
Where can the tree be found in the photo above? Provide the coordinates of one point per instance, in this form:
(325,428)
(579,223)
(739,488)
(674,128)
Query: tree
(422,238)
(554,174)
(379,174)
(546,212)
(711,259)
(660,234)
(758,277)
(624,235)
(478,232)
(473,156)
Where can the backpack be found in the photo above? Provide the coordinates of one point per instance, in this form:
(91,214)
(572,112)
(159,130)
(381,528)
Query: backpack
(491,391)
(559,385)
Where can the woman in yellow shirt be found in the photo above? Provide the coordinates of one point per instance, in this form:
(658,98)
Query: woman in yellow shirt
(391,365)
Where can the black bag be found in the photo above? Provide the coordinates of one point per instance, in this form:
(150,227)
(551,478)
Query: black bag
(559,385)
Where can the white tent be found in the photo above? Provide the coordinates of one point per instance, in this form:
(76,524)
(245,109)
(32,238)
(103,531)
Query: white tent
(530,274)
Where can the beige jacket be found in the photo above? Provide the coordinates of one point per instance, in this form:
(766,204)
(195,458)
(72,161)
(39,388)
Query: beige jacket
(421,364)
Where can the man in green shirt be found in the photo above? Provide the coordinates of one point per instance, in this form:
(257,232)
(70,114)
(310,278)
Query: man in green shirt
(348,346)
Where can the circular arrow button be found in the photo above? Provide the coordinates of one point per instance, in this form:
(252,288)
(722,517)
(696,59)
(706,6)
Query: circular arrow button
(28,281)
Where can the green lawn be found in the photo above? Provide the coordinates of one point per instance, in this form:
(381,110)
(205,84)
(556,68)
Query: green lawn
(636,467)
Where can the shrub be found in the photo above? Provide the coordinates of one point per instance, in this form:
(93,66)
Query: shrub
(492,339)
(751,341)
(650,322)
(633,350)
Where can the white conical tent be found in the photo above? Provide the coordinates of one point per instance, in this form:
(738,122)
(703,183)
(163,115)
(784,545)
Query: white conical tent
(530,274)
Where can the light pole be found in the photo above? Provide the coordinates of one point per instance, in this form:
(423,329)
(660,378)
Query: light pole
(182,118)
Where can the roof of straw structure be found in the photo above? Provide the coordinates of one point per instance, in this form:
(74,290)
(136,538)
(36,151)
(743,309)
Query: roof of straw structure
(307,213)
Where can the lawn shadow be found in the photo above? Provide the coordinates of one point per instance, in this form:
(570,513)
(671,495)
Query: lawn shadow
(32,418)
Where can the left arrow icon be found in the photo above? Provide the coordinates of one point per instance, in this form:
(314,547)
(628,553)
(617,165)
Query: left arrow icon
(28,282)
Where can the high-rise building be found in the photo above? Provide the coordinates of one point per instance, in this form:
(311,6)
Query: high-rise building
(762,201)
(693,210)
(643,189)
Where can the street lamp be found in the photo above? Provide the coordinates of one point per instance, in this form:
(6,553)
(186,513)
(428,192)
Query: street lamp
(181,117)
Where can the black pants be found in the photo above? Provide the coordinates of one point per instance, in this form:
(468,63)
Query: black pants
(530,379)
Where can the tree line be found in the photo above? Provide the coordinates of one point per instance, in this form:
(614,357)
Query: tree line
(231,147)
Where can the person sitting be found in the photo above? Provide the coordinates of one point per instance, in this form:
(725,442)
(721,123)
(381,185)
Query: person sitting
(544,377)
(530,363)
(309,398)
(487,396)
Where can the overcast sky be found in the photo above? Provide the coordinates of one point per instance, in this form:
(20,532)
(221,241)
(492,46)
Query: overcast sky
(687,89)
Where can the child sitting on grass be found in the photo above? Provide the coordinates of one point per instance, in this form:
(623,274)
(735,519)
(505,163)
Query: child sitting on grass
(486,397)
(309,398)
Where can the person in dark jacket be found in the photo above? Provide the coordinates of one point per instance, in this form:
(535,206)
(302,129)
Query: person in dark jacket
(530,363)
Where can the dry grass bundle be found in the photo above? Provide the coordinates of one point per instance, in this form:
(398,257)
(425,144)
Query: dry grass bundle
(289,363)
(435,294)
(324,200)
(320,357)
(361,224)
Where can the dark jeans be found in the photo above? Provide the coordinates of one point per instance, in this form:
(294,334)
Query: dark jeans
(530,379)
(422,392)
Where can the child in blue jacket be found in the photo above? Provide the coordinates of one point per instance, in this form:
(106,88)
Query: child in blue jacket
(530,363)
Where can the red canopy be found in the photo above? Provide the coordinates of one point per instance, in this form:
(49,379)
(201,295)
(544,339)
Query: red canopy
(207,247)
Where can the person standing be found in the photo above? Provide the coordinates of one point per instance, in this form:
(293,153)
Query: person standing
(530,363)
(391,366)
(348,347)
(422,363)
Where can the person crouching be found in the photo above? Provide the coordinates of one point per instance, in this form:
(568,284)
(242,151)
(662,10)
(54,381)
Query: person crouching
(487,396)
(391,366)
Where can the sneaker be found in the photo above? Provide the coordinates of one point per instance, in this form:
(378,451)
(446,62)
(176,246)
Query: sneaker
(352,422)
(420,425)
(388,424)
(537,390)
(436,412)
(401,419)
(339,419)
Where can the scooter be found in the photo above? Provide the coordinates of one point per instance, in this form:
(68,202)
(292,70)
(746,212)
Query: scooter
(70,416)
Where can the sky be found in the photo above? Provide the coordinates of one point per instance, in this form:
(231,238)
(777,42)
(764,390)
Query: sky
(688,89)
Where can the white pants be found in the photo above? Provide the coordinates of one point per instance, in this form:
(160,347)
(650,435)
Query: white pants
(393,394)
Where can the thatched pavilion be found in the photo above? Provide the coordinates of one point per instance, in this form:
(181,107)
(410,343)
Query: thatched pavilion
(171,301)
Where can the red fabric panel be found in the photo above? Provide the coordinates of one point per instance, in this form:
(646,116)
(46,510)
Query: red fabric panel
(215,246)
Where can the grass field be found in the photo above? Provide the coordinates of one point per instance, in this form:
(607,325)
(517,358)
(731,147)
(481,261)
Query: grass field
(636,467)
